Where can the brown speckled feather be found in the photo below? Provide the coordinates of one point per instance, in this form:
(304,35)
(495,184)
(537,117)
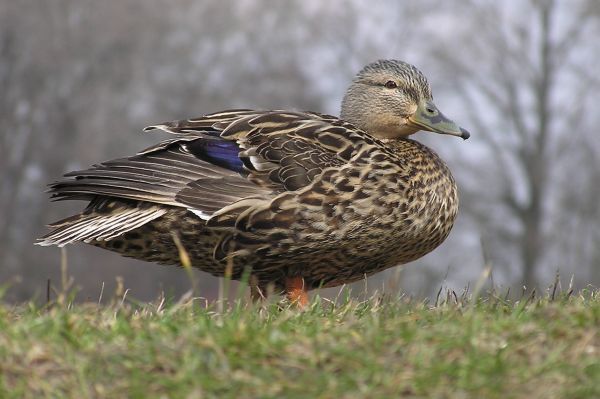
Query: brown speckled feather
(282,193)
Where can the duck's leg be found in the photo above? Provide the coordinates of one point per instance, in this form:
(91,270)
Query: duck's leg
(296,291)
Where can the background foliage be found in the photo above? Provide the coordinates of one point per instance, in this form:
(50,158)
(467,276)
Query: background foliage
(80,78)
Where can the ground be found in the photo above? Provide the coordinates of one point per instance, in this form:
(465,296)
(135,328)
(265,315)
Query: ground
(380,347)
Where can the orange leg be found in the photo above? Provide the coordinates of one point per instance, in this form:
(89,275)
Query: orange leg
(296,292)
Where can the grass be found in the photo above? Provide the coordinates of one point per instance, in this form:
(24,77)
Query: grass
(377,348)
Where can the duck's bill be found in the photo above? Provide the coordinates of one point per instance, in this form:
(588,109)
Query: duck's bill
(429,118)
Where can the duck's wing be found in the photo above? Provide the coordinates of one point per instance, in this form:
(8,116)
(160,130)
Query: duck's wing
(278,149)
(222,159)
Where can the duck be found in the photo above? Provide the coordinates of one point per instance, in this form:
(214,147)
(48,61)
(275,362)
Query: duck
(294,200)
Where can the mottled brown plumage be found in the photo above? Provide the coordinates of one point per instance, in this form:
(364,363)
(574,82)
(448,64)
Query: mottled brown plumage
(287,195)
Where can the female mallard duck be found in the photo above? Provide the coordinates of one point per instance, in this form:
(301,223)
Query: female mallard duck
(303,200)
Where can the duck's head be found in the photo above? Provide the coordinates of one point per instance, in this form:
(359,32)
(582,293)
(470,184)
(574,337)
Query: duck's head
(392,99)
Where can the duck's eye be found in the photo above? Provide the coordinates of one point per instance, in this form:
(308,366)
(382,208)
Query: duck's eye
(390,84)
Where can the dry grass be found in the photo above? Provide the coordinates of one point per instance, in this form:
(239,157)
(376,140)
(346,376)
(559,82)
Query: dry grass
(382,347)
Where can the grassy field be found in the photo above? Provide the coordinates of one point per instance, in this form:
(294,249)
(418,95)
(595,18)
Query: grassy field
(377,348)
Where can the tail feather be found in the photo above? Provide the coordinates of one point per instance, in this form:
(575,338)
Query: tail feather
(100,225)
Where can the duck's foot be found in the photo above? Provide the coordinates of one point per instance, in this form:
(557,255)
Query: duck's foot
(296,291)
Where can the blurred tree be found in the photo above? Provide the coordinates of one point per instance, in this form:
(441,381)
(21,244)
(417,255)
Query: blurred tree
(523,72)
(79,78)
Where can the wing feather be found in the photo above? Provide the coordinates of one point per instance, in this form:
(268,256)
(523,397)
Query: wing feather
(229,164)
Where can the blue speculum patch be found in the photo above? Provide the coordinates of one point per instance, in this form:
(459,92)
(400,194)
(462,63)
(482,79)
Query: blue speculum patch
(218,152)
